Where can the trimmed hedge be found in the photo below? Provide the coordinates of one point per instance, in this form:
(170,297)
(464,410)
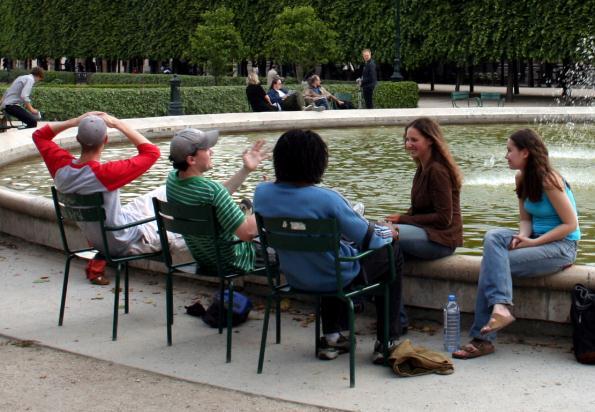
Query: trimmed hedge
(388,95)
(187,80)
(130,79)
(50,76)
(60,103)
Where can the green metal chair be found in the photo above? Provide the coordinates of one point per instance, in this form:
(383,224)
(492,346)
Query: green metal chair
(485,96)
(345,97)
(317,236)
(458,96)
(195,220)
(89,208)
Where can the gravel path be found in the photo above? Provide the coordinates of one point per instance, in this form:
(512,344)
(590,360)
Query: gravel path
(37,378)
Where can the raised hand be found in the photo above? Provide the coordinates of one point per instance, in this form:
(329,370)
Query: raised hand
(255,155)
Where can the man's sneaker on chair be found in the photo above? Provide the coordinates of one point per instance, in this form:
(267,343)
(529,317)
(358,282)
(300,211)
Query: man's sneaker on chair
(378,355)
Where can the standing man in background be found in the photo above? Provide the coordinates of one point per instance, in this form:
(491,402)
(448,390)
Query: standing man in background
(18,94)
(369,79)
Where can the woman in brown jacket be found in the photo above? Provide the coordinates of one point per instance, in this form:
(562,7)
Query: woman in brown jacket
(432,228)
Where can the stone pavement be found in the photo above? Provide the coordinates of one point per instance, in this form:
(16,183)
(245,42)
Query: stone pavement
(524,373)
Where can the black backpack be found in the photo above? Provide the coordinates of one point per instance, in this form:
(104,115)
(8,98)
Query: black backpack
(582,314)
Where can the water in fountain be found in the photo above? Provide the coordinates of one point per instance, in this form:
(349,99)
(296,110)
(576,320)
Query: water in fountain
(370,165)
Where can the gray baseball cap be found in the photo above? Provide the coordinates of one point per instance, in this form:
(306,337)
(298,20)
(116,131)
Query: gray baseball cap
(185,142)
(92,131)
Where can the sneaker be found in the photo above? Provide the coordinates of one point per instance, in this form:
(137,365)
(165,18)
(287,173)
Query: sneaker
(327,353)
(330,350)
(100,281)
(359,208)
(309,107)
(378,354)
(318,108)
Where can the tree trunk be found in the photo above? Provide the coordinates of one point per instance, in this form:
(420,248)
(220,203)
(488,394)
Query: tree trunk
(530,77)
(502,72)
(432,77)
(459,78)
(515,76)
(471,83)
(510,83)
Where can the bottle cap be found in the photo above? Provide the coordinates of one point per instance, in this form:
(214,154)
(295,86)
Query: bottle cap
(452,298)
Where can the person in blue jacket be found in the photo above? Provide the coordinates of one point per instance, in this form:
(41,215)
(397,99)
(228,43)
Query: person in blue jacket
(300,158)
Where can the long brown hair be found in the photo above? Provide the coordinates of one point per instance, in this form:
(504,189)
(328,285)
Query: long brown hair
(538,170)
(440,153)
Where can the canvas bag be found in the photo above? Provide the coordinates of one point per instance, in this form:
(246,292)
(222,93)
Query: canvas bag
(582,315)
(408,360)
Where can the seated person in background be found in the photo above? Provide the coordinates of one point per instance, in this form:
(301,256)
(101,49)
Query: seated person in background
(432,228)
(87,175)
(283,98)
(257,97)
(300,159)
(286,100)
(318,95)
(191,153)
(17,96)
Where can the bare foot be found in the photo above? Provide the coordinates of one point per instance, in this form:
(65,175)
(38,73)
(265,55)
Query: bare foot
(501,318)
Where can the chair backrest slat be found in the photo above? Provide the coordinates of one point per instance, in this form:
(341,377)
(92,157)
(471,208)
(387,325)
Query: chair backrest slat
(80,208)
(300,235)
(187,220)
(76,214)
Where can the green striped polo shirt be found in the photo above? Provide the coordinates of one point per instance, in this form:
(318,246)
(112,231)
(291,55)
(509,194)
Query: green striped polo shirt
(199,190)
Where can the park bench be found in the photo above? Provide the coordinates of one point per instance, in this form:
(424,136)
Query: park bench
(484,97)
(458,96)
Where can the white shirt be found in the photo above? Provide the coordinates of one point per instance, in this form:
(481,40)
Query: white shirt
(19,91)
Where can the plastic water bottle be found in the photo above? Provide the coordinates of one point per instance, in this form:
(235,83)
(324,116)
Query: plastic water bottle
(452,325)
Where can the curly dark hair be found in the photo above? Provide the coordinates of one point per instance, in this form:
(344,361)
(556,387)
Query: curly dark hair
(430,129)
(538,171)
(300,156)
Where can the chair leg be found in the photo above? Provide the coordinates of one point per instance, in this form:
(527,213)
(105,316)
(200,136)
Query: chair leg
(116,302)
(169,306)
(221,303)
(386,323)
(278,312)
(126,288)
(265,327)
(317,327)
(229,321)
(64,288)
(351,343)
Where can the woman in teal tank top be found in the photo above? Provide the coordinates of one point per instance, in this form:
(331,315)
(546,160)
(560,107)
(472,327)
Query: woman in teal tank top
(545,243)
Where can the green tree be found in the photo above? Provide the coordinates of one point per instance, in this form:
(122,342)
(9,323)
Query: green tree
(216,41)
(300,37)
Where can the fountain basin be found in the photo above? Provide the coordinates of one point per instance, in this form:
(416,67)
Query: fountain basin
(426,283)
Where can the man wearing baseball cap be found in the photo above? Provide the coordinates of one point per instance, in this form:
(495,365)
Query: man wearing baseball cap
(86,174)
(191,152)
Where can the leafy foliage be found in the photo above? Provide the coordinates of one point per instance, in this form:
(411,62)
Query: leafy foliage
(300,37)
(216,41)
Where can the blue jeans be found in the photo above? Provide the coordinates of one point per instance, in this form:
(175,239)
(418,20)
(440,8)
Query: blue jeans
(322,102)
(414,242)
(499,264)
